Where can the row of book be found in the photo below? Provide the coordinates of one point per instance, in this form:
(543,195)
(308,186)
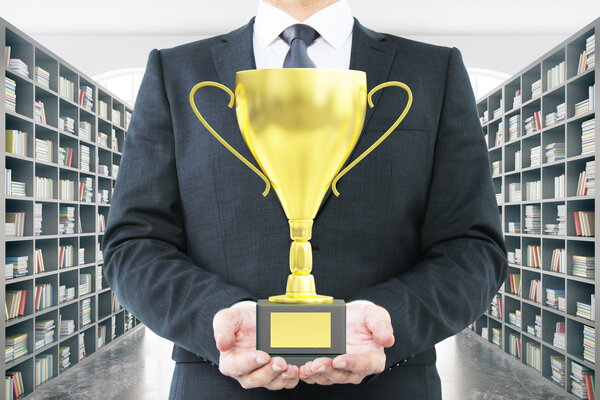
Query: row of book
(533,356)
(584,223)
(533,123)
(15,302)
(16,142)
(514,345)
(66,190)
(44,188)
(43,296)
(535,290)
(65,156)
(10,94)
(534,256)
(559,261)
(555,76)
(588,57)
(66,256)
(496,306)
(514,192)
(67,220)
(588,136)
(44,150)
(85,130)
(39,112)
(586,184)
(13,188)
(66,88)
(43,368)
(14,224)
(533,191)
(86,97)
(536,329)
(13,384)
(515,283)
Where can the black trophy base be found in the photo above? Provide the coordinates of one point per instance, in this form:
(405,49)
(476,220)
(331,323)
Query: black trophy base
(301,332)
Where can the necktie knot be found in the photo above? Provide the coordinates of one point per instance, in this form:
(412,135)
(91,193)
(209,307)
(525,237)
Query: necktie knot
(299,37)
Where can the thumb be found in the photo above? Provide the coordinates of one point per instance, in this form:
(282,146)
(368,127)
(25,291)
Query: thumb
(380,324)
(225,323)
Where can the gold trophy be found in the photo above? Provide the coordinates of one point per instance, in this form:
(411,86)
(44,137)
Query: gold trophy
(301,125)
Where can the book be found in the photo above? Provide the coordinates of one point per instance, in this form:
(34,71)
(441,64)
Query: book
(16,142)
(533,356)
(66,88)
(10,94)
(584,223)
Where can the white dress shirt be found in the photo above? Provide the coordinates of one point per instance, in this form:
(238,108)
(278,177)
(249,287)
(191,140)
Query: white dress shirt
(330,50)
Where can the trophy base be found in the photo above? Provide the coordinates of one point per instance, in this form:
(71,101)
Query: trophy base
(301,332)
(313,299)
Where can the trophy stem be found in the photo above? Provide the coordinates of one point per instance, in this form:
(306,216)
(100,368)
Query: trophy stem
(301,284)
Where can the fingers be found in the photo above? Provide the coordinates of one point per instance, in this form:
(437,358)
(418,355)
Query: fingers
(273,376)
(322,372)
(237,364)
(225,324)
(380,324)
(364,363)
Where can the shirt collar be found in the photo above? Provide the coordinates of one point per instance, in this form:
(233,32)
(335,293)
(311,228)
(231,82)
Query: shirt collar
(334,23)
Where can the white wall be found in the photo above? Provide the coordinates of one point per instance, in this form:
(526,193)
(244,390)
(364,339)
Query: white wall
(506,54)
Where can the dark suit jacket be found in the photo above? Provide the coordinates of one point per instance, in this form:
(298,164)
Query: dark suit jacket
(415,230)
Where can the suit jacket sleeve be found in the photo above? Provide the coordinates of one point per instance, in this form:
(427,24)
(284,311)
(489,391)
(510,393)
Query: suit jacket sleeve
(464,256)
(145,245)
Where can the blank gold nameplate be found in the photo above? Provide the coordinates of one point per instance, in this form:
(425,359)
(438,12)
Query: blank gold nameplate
(301,329)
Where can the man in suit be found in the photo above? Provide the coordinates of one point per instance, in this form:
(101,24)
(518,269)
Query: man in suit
(413,243)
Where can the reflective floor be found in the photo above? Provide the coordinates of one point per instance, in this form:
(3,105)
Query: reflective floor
(138,366)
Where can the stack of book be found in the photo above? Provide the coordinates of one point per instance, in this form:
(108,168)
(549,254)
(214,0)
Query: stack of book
(85,158)
(514,345)
(14,224)
(81,255)
(101,336)
(514,127)
(588,56)
(496,168)
(85,284)
(534,256)
(535,290)
(533,123)
(581,379)
(517,99)
(66,256)
(103,109)
(557,363)
(102,196)
(15,303)
(67,124)
(44,332)
(103,170)
(85,130)
(532,220)
(63,358)
(86,97)
(65,294)
(555,152)
(559,340)
(43,368)
(14,188)
(99,278)
(536,330)
(14,383)
(584,223)
(583,266)
(19,344)
(67,327)
(496,306)
(42,76)
(43,296)
(590,178)
(43,150)
(8,354)
(66,88)
(559,186)
(82,345)
(102,139)
(44,188)
(498,141)
(37,218)
(553,296)
(18,265)
(10,94)
(66,190)
(515,283)
(128,114)
(129,320)
(65,156)
(19,66)
(587,310)
(533,191)
(535,155)
(513,318)
(115,171)
(39,114)
(588,136)
(556,75)
(589,343)
(536,88)
(86,191)
(514,191)
(16,142)
(67,220)
(116,117)
(559,261)
(534,355)
(86,311)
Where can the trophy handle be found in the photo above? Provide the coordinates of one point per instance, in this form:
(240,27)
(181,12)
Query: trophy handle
(216,135)
(384,136)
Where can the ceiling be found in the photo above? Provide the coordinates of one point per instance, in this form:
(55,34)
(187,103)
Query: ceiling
(204,17)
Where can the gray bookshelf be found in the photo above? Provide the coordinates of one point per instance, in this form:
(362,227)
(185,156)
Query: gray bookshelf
(106,314)
(499,112)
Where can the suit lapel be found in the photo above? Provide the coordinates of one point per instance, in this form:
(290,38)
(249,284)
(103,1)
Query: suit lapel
(373,54)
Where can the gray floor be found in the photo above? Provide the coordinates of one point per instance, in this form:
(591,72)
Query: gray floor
(138,366)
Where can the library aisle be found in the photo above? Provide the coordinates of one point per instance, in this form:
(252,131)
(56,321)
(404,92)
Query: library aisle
(139,366)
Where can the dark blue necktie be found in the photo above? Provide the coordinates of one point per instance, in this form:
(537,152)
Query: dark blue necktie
(299,37)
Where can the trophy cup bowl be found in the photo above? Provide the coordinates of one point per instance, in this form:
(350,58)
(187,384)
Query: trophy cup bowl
(301,125)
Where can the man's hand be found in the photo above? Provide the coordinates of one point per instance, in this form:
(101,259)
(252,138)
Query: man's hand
(235,335)
(368,332)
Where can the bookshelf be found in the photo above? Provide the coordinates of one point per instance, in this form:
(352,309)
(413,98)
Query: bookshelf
(58,178)
(540,136)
